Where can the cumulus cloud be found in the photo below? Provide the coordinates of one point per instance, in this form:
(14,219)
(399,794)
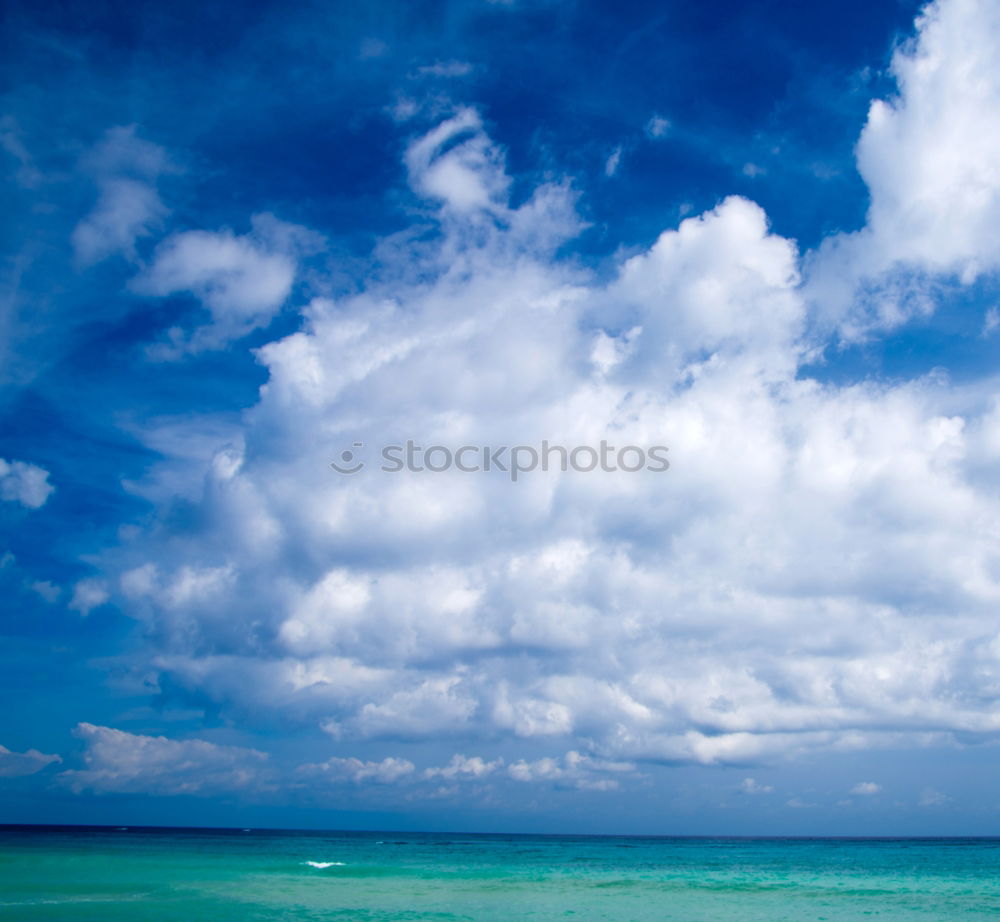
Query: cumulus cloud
(120,762)
(89,594)
(573,770)
(817,572)
(720,284)
(17,764)
(125,168)
(866,788)
(467,605)
(388,771)
(929,156)
(465,768)
(24,483)
(752,786)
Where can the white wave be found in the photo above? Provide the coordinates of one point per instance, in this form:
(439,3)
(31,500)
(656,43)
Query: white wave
(325,864)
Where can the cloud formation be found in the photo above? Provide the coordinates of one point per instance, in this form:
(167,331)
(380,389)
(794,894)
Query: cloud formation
(89,594)
(929,157)
(24,483)
(817,572)
(387,771)
(866,788)
(752,786)
(18,764)
(573,770)
(120,762)
(242,281)
(125,168)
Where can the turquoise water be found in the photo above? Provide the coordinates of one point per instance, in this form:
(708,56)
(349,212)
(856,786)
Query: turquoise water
(190,875)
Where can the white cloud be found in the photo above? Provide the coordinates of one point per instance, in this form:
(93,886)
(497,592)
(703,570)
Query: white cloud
(388,771)
(126,210)
(930,158)
(528,610)
(866,788)
(573,770)
(718,284)
(751,786)
(403,109)
(24,483)
(657,126)
(89,594)
(48,591)
(128,207)
(188,587)
(17,764)
(464,768)
(948,85)
(815,573)
(932,798)
(120,762)
(613,162)
(433,707)
(241,280)
(457,164)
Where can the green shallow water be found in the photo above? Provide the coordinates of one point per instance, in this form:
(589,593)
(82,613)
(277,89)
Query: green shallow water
(192,875)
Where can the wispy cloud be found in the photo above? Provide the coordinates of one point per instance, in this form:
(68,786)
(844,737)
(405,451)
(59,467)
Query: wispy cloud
(19,764)
(125,168)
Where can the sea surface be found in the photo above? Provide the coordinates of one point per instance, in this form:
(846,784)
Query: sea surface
(87,873)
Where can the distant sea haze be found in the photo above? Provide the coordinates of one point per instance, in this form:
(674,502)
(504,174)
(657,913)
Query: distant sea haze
(140,874)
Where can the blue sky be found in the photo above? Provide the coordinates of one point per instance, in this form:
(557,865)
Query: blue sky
(239,240)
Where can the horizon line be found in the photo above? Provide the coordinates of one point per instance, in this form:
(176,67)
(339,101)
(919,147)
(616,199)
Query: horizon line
(118,827)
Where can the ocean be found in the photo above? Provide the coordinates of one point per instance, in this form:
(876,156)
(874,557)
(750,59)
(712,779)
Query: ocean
(85,873)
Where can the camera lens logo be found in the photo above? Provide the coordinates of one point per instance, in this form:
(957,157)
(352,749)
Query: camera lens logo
(349,461)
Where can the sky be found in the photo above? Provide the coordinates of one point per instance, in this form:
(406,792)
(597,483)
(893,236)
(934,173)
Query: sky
(245,244)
